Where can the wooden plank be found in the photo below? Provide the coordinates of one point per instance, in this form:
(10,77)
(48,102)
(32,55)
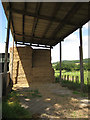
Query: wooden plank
(6,55)
(12,61)
(17,72)
(70,32)
(29,36)
(69,15)
(18,11)
(38,7)
(56,9)
(23,20)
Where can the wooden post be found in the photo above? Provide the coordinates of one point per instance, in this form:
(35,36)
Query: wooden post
(67,77)
(81,61)
(64,77)
(17,72)
(87,81)
(12,61)
(72,78)
(60,61)
(77,79)
(6,55)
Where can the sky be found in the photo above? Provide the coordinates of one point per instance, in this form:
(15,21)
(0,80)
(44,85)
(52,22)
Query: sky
(70,45)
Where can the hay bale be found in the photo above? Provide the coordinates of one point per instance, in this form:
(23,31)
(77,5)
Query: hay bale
(34,65)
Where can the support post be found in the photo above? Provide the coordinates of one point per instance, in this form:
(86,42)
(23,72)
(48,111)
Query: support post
(17,72)
(60,61)
(15,43)
(12,60)
(81,61)
(6,55)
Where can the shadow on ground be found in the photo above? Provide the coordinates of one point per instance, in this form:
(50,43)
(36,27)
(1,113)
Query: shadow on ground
(52,101)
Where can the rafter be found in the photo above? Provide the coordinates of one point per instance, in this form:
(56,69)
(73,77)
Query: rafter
(30,37)
(62,23)
(38,7)
(80,25)
(58,20)
(56,9)
(69,15)
(23,20)
(62,38)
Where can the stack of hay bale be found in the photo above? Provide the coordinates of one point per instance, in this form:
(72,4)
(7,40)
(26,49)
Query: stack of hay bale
(22,64)
(42,68)
(31,65)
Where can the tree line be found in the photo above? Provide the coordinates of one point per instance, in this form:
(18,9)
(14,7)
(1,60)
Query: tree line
(70,66)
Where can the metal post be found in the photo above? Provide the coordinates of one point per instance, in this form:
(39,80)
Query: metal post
(81,61)
(60,61)
(6,55)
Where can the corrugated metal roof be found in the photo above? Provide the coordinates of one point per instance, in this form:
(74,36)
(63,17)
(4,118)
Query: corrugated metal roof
(45,23)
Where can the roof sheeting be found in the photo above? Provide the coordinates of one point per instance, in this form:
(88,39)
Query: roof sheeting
(45,23)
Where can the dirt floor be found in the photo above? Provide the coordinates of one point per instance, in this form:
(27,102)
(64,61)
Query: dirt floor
(52,101)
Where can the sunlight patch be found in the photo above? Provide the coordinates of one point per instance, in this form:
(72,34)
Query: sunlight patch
(47,99)
(49,116)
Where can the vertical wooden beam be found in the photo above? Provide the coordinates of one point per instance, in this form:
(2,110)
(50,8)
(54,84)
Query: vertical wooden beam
(17,72)
(6,55)
(12,60)
(81,60)
(60,60)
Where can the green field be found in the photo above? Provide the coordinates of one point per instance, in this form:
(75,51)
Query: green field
(74,73)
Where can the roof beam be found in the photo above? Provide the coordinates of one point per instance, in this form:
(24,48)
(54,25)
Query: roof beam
(28,36)
(38,7)
(62,38)
(56,9)
(23,20)
(34,45)
(40,16)
(69,15)
(80,25)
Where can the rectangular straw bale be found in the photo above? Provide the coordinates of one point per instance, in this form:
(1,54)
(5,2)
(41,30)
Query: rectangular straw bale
(34,65)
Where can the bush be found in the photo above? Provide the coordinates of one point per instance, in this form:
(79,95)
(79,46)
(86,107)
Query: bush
(57,79)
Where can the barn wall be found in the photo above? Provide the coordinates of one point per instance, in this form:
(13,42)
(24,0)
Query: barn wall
(31,65)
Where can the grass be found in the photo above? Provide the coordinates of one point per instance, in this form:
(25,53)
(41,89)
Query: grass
(33,94)
(79,93)
(73,73)
(74,86)
(12,109)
